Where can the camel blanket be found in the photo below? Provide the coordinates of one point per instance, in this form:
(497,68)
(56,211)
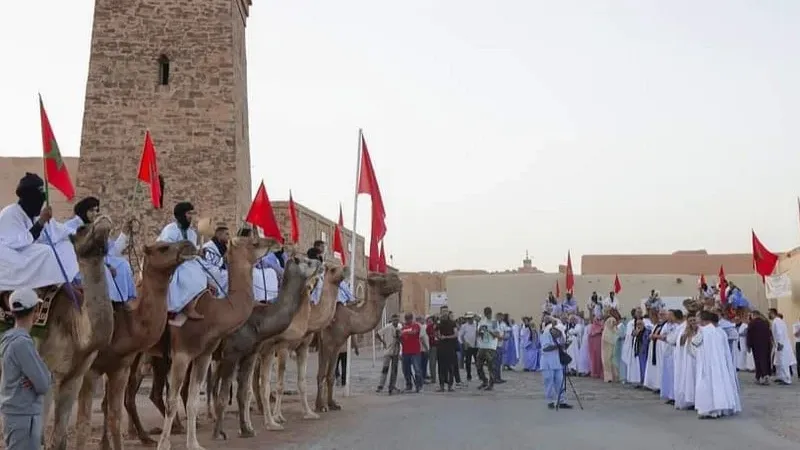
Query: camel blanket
(28,264)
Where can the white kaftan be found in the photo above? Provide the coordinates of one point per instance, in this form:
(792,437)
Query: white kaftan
(744,356)
(685,371)
(716,389)
(190,278)
(784,357)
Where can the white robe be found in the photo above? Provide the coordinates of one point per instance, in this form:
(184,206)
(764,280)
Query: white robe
(515,335)
(28,264)
(744,356)
(190,278)
(685,370)
(716,388)
(215,264)
(584,363)
(574,335)
(784,358)
(627,350)
(265,282)
(652,372)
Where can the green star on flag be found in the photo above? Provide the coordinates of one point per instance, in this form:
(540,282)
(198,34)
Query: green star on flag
(56,173)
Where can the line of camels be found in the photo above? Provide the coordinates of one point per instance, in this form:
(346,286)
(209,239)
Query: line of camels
(81,345)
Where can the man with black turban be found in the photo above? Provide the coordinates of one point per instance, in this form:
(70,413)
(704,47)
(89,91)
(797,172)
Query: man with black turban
(119,276)
(27,231)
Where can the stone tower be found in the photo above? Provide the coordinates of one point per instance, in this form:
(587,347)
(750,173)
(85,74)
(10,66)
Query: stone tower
(179,69)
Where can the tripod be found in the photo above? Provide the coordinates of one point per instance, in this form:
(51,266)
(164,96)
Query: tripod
(567,379)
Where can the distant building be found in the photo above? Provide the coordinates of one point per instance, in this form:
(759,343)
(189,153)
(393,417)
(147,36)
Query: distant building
(681,262)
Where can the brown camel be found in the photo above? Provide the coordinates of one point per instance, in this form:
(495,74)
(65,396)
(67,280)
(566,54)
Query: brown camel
(349,321)
(241,348)
(195,340)
(134,332)
(321,316)
(75,335)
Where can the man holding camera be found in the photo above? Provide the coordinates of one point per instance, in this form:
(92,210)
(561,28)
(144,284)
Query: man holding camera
(553,343)
(488,336)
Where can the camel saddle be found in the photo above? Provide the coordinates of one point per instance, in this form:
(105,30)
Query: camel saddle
(42,311)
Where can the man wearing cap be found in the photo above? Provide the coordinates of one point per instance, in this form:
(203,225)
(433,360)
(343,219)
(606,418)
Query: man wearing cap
(26,232)
(26,378)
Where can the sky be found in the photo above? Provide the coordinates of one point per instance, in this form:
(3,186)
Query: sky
(630,126)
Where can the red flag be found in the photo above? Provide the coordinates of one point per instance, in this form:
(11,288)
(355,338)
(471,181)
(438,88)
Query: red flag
(558,290)
(764,261)
(148,170)
(702,279)
(570,282)
(338,239)
(368,184)
(617,284)
(382,259)
(295,224)
(55,171)
(261,215)
(723,286)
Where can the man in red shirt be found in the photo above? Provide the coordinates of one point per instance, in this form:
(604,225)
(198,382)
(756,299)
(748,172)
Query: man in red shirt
(410,335)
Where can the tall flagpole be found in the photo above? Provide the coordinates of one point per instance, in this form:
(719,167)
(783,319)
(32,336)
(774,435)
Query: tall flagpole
(353,261)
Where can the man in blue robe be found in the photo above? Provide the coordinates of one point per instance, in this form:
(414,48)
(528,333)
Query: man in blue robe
(550,363)
(570,305)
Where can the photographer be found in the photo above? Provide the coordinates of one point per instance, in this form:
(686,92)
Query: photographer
(488,336)
(553,344)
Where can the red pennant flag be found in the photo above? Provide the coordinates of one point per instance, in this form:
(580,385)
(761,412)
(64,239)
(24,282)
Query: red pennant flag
(764,261)
(570,282)
(293,216)
(148,171)
(383,268)
(617,284)
(368,184)
(723,286)
(338,238)
(558,290)
(55,171)
(262,216)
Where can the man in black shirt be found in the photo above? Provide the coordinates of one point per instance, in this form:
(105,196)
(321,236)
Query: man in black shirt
(446,343)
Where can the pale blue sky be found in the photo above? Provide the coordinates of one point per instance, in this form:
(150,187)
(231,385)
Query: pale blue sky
(597,126)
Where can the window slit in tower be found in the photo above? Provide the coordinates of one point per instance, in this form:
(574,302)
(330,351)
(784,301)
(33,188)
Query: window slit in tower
(163,70)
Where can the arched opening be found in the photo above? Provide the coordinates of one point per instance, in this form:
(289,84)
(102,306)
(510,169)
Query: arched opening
(163,70)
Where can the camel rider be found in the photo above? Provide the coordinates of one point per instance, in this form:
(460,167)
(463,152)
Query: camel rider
(119,275)
(27,230)
(214,256)
(345,293)
(189,279)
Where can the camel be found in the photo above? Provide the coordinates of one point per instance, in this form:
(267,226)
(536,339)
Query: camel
(193,342)
(241,348)
(349,321)
(320,317)
(135,331)
(75,335)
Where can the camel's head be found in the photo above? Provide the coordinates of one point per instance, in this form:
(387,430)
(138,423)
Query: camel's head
(384,284)
(335,273)
(251,248)
(164,256)
(91,240)
(301,267)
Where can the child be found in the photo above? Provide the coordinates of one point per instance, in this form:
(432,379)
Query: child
(25,377)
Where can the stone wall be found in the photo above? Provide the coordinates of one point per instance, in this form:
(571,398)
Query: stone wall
(790,306)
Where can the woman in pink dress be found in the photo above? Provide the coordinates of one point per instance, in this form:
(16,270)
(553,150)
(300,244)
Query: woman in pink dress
(595,348)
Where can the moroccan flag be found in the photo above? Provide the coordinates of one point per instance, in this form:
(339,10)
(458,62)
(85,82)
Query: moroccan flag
(723,286)
(262,216)
(764,261)
(558,290)
(382,268)
(295,224)
(148,171)
(55,171)
(368,184)
(338,238)
(617,284)
(570,282)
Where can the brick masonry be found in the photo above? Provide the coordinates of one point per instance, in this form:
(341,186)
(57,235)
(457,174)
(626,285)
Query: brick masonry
(198,121)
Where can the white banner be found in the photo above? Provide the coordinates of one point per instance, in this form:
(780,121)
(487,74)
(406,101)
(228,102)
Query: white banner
(778,286)
(438,299)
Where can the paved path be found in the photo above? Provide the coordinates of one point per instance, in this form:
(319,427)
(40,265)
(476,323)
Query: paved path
(513,417)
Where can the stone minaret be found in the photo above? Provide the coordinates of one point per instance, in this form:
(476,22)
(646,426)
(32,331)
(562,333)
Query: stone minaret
(179,69)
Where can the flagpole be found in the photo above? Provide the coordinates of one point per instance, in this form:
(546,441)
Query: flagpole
(353,259)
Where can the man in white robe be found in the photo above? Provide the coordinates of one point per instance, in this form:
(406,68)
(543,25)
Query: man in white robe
(685,365)
(30,240)
(265,281)
(668,380)
(716,386)
(744,356)
(784,357)
(214,257)
(655,353)
(574,335)
(627,344)
(611,301)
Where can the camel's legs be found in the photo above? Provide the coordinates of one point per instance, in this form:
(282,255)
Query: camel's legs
(113,413)
(256,380)
(283,355)
(267,355)
(222,378)
(196,378)
(180,362)
(302,366)
(322,378)
(135,378)
(64,401)
(212,388)
(244,394)
(161,370)
(83,424)
(332,405)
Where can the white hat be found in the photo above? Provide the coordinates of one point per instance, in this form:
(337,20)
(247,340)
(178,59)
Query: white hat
(23,300)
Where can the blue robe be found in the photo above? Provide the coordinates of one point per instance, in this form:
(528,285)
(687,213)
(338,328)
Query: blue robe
(570,306)
(217,270)
(190,278)
(265,280)
(529,341)
(645,345)
(121,288)
(510,349)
